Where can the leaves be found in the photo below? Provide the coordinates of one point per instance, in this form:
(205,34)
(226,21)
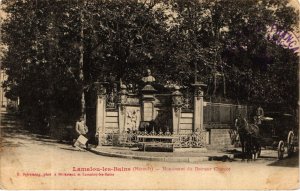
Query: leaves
(216,39)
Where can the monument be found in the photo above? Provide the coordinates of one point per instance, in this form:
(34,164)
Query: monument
(149,78)
(148,97)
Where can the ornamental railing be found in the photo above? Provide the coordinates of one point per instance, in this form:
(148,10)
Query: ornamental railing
(194,140)
(130,138)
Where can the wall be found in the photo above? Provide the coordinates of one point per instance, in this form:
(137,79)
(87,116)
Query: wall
(122,119)
(111,122)
(219,139)
(219,115)
(186,123)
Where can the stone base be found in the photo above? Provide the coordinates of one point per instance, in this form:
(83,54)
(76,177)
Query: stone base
(219,138)
(196,150)
(99,147)
(220,147)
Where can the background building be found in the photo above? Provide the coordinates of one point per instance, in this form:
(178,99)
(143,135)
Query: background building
(3,99)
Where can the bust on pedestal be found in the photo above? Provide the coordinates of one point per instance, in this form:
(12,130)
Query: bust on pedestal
(148,97)
(149,78)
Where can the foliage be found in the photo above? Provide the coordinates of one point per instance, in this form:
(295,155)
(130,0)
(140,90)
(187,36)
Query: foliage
(226,40)
(223,42)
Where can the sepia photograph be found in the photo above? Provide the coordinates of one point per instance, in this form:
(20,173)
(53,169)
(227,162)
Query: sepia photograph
(149,94)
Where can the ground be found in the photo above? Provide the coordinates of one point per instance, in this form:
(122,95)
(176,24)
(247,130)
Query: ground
(32,161)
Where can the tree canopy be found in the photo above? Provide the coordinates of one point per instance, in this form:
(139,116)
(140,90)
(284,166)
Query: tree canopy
(223,41)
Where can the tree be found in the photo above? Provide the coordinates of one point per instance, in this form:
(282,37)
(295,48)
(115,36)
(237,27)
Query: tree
(229,38)
(41,61)
(58,49)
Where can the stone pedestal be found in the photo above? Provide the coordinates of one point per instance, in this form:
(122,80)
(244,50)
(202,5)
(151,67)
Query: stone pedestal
(148,111)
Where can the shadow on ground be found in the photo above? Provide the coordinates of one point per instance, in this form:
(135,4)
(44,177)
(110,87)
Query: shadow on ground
(292,161)
(11,127)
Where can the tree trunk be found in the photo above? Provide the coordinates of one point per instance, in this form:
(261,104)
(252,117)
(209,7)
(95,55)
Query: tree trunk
(215,84)
(81,74)
(224,85)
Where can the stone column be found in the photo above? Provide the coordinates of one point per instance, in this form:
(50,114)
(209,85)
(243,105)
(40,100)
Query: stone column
(198,107)
(100,112)
(177,101)
(123,94)
(176,120)
(148,103)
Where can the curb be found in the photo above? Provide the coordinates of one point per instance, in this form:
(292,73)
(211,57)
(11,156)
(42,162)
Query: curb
(162,159)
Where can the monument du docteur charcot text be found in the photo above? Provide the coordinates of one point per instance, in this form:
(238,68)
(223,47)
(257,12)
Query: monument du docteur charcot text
(286,39)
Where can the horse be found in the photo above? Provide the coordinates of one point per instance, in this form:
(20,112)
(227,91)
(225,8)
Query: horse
(252,141)
(249,138)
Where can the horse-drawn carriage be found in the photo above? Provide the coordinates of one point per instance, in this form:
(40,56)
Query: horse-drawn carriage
(278,131)
(274,130)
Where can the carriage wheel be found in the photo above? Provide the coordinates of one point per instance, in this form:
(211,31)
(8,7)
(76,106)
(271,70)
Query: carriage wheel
(280,149)
(290,145)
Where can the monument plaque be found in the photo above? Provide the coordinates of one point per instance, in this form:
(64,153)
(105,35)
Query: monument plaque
(148,111)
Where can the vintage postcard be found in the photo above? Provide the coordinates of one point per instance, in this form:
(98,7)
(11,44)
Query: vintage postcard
(149,94)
